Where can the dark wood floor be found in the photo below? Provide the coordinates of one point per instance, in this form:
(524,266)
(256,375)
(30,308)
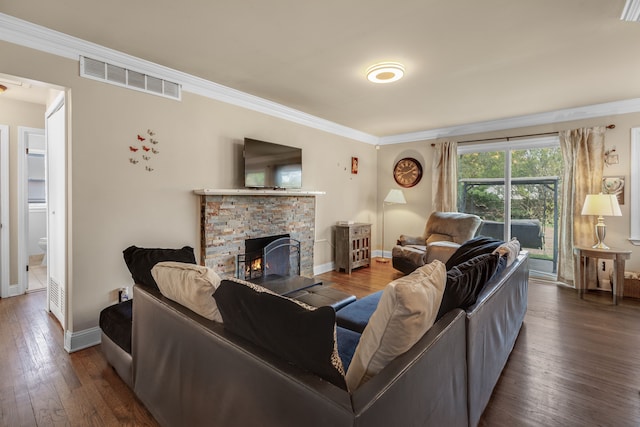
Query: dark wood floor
(575,363)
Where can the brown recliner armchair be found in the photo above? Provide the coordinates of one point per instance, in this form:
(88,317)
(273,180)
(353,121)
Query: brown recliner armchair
(443,234)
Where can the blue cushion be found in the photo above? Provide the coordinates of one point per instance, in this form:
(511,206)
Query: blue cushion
(355,316)
(347,342)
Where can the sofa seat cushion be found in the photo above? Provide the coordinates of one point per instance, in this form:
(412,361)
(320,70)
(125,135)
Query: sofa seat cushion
(407,309)
(472,248)
(140,261)
(302,335)
(116,321)
(466,280)
(355,316)
(190,285)
(347,342)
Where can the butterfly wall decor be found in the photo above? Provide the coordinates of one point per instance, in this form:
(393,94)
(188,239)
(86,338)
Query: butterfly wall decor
(147,151)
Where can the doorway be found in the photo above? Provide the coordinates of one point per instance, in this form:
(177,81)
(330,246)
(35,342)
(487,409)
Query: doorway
(32,199)
(36,120)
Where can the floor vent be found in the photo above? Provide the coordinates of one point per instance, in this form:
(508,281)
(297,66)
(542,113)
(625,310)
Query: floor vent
(109,73)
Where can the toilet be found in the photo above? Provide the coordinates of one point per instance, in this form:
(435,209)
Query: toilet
(43,245)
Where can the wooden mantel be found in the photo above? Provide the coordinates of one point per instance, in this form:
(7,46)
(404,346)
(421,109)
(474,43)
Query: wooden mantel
(255,192)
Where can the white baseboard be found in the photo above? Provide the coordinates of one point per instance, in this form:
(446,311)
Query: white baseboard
(74,341)
(324,268)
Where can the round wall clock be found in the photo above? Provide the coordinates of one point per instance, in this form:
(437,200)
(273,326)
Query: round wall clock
(407,172)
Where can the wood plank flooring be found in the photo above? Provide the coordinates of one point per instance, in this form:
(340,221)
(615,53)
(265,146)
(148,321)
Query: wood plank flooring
(575,363)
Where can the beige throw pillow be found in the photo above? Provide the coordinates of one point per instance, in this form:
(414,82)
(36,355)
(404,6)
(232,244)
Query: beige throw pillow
(190,285)
(510,248)
(406,311)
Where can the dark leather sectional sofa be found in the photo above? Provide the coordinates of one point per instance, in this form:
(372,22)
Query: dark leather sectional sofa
(188,370)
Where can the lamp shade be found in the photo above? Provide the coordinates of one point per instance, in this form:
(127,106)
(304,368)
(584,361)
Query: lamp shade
(395,196)
(601,205)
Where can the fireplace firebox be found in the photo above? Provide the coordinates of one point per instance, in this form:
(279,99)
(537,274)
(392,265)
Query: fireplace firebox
(271,256)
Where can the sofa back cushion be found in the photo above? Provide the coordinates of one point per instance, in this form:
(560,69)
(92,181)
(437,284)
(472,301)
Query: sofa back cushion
(406,311)
(451,226)
(296,332)
(190,285)
(466,280)
(140,261)
(472,248)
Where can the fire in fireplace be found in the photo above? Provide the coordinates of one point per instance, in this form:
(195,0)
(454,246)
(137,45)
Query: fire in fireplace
(269,256)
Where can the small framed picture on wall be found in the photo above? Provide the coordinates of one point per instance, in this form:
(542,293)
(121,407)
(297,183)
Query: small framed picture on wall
(614,185)
(354,165)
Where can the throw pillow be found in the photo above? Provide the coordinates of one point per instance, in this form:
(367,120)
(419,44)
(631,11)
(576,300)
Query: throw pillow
(465,281)
(296,332)
(511,249)
(472,248)
(406,311)
(140,261)
(190,285)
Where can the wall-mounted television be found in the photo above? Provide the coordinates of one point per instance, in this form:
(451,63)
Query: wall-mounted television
(269,165)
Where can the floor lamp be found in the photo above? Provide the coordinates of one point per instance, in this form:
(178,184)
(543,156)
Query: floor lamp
(395,197)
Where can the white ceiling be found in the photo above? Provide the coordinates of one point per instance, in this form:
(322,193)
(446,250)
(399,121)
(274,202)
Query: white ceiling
(466,61)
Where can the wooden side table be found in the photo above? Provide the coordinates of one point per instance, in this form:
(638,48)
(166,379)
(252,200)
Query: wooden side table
(353,246)
(618,255)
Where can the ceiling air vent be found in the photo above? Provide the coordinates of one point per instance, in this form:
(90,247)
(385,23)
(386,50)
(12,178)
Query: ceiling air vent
(109,73)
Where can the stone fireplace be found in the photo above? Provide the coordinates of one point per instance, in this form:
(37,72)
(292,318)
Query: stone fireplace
(229,217)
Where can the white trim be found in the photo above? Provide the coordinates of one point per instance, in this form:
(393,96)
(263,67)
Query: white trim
(249,192)
(74,341)
(558,116)
(634,189)
(23,33)
(4,211)
(324,268)
(23,207)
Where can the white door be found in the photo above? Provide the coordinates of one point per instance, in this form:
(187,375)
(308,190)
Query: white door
(4,211)
(56,195)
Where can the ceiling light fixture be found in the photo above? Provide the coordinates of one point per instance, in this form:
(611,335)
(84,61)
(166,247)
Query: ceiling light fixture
(631,11)
(385,72)
(2,88)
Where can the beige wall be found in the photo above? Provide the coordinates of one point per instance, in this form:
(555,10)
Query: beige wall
(410,218)
(16,114)
(114,204)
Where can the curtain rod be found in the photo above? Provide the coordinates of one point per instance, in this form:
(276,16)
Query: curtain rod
(507,138)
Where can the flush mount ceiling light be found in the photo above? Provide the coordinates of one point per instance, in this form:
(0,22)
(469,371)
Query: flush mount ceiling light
(631,11)
(385,72)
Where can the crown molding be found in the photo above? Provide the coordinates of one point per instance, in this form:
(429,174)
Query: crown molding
(24,33)
(550,117)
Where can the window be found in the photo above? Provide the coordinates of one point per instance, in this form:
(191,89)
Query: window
(514,187)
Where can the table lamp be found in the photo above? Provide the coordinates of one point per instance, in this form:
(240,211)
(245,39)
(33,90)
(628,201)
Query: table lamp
(394,197)
(601,205)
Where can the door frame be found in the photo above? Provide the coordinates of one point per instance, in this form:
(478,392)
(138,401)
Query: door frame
(5,255)
(23,207)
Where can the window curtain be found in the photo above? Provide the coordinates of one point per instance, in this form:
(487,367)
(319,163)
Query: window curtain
(583,156)
(444,181)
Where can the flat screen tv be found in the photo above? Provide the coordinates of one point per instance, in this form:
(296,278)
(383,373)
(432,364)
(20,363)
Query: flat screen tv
(269,165)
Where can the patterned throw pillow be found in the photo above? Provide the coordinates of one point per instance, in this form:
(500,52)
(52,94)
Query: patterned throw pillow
(296,332)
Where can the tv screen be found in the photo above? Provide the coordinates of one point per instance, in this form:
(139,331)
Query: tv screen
(269,165)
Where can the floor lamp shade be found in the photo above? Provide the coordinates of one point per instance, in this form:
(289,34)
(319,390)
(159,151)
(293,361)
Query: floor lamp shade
(395,197)
(601,205)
